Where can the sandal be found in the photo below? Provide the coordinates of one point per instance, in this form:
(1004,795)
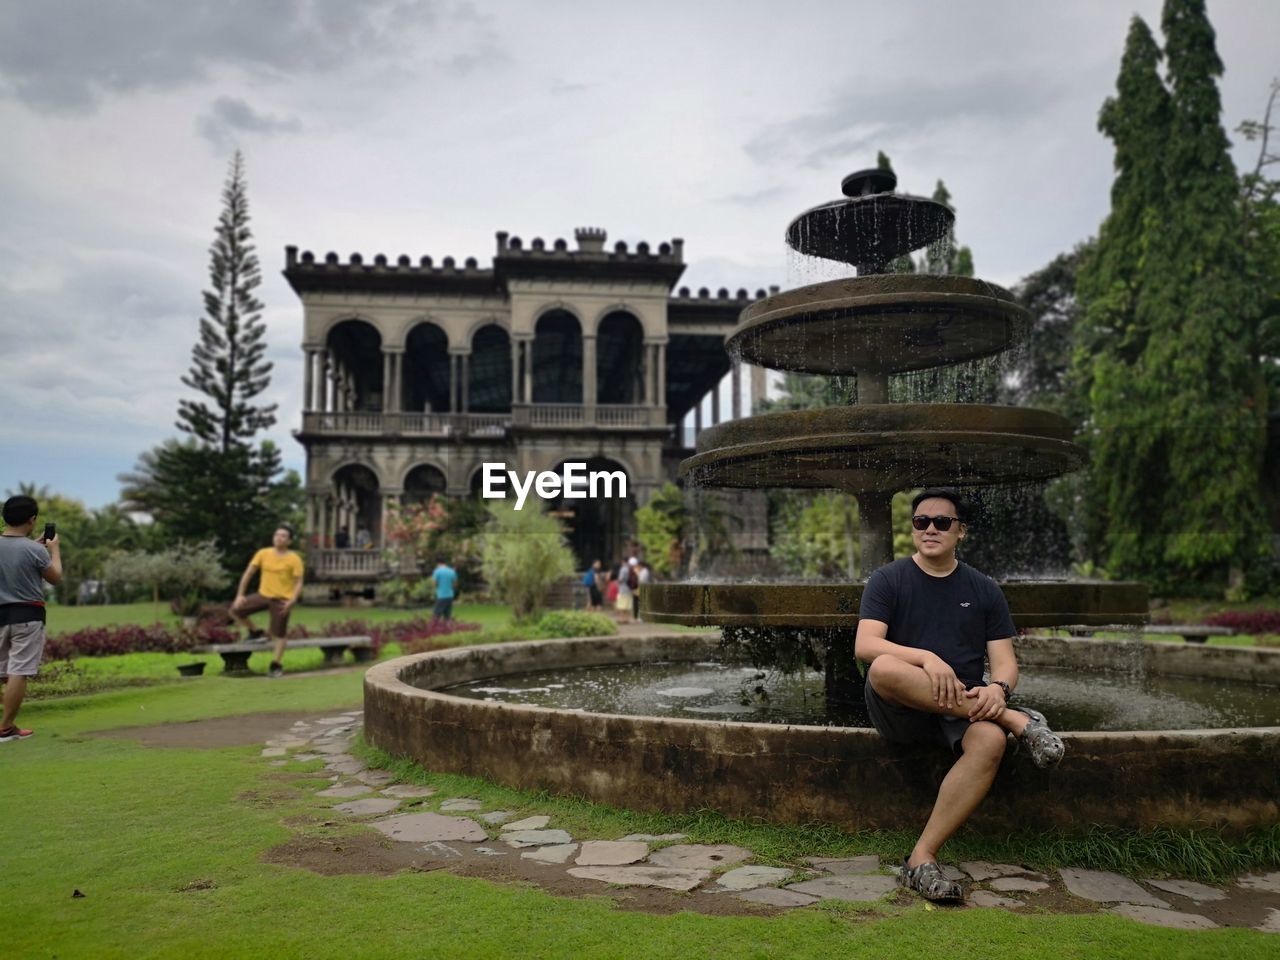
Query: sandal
(14,733)
(1045,746)
(929,881)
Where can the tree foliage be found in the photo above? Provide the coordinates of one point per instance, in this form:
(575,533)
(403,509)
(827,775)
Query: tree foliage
(200,493)
(1167,346)
(227,364)
(522,554)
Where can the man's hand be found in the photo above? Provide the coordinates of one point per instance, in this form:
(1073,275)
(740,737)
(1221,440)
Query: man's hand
(947,689)
(988,701)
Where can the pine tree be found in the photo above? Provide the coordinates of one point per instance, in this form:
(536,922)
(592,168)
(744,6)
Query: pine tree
(1108,342)
(1200,389)
(227,362)
(943,256)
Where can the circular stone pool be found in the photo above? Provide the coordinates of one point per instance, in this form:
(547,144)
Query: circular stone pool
(801,773)
(711,690)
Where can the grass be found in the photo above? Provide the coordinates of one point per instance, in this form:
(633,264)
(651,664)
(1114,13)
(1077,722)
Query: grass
(134,829)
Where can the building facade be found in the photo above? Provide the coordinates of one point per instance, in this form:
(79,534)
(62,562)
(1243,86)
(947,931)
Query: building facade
(416,374)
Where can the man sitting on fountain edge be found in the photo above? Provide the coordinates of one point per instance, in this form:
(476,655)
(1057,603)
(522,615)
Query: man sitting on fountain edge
(925,624)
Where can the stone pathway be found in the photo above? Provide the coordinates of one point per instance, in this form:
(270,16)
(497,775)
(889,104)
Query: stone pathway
(459,830)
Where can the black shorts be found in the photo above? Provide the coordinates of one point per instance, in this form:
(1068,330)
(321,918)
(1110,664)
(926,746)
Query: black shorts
(905,725)
(596,597)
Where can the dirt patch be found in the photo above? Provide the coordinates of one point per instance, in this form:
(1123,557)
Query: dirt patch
(241,730)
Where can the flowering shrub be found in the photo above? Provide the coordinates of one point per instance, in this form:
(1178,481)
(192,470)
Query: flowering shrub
(1254,622)
(112,641)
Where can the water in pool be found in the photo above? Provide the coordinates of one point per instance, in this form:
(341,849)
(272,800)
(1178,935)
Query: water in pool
(720,691)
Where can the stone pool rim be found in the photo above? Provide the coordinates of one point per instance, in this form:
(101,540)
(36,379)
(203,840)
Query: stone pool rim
(846,776)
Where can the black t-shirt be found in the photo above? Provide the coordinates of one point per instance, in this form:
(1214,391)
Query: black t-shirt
(953,616)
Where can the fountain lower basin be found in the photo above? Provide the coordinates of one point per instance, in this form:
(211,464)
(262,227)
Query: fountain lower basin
(801,774)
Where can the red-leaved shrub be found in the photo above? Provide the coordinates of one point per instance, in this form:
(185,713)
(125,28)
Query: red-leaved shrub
(1254,622)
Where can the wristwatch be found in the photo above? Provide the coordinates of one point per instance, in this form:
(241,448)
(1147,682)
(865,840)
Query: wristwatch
(1003,686)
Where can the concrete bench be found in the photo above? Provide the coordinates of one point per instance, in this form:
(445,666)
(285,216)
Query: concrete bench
(1190,632)
(235,656)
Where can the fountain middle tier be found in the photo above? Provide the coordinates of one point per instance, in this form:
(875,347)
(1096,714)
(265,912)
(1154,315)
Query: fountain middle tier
(881,323)
(885,447)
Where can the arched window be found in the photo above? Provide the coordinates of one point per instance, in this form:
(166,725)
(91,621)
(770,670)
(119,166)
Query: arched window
(557,358)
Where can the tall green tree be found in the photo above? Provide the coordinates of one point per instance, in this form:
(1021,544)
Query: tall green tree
(1203,401)
(227,364)
(1107,365)
(945,256)
(219,484)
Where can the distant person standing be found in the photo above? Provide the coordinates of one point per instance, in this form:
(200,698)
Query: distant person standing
(592,581)
(644,574)
(628,580)
(364,540)
(279,587)
(25,566)
(446,579)
(341,539)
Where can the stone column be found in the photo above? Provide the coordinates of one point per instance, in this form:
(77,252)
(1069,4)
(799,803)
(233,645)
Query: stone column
(759,389)
(466,382)
(661,365)
(528,371)
(697,419)
(387,361)
(308,380)
(590,389)
(715,402)
(311,516)
(394,399)
(735,380)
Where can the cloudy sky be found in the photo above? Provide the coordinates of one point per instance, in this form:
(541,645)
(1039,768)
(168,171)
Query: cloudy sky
(425,126)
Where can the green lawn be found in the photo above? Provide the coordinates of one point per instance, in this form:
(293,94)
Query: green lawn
(131,827)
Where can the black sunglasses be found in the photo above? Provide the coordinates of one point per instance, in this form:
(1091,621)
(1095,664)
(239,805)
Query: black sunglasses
(943,524)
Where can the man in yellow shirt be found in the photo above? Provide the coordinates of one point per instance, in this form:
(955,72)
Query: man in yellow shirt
(279,586)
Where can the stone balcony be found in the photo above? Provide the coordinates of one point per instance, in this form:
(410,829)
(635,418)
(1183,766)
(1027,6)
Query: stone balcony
(484,426)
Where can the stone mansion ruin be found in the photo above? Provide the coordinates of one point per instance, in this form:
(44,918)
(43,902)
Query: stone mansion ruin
(418,373)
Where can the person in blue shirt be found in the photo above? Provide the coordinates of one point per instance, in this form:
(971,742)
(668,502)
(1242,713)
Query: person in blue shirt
(592,581)
(446,579)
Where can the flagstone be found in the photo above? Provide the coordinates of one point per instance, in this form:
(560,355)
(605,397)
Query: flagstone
(982,870)
(611,853)
(656,837)
(1017,884)
(528,823)
(428,827)
(305,757)
(353,790)
(375,778)
(556,853)
(666,878)
(774,897)
(349,767)
(462,805)
(368,805)
(855,889)
(846,865)
(751,877)
(273,751)
(1272,923)
(407,791)
(697,856)
(332,749)
(985,898)
(1267,882)
(497,816)
(536,838)
(1163,918)
(1101,886)
(1198,892)
(491,852)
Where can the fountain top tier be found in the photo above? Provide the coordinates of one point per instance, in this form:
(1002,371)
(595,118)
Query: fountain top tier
(872,226)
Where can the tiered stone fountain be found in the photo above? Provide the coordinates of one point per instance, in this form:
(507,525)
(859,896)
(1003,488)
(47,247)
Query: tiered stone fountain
(872,326)
(444,710)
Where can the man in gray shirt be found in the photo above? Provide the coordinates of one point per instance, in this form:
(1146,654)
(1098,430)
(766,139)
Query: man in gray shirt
(25,566)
